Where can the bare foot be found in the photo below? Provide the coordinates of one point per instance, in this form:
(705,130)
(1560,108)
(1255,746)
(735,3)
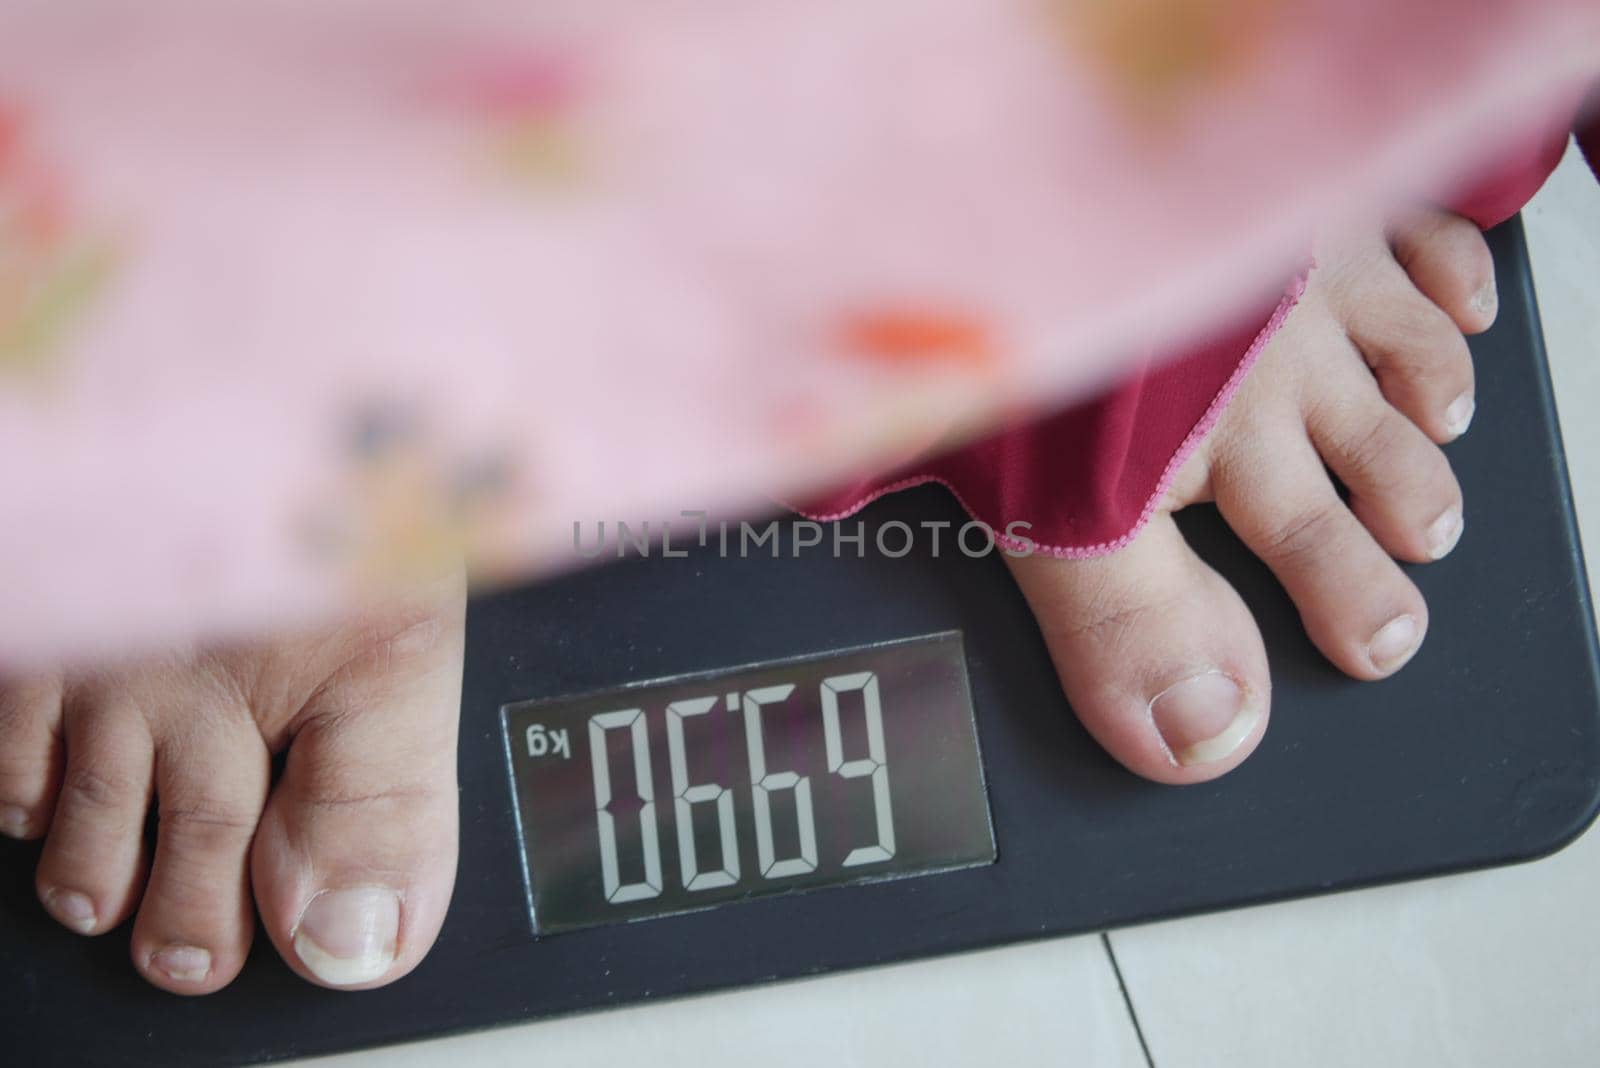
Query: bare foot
(1371,371)
(351,854)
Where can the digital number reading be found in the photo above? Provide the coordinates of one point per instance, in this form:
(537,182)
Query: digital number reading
(616,891)
(694,791)
(764,782)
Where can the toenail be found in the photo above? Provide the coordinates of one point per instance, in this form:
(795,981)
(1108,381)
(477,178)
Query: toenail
(1444,532)
(348,936)
(1204,718)
(1458,416)
(1487,299)
(71,908)
(184,964)
(14,821)
(1394,643)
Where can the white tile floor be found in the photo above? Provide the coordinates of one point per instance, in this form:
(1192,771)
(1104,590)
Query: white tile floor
(1494,968)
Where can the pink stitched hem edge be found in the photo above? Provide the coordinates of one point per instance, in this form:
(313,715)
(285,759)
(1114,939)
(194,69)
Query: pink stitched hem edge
(1213,412)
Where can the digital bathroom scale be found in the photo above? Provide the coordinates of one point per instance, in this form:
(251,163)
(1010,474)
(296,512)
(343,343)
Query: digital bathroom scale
(691,774)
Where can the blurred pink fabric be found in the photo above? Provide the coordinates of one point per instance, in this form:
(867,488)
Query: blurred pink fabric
(299,297)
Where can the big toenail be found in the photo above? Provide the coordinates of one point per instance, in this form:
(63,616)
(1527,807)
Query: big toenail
(1394,643)
(71,908)
(1444,532)
(14,821)
(348,936)
(1458,416)
(184,964)
(1204,718)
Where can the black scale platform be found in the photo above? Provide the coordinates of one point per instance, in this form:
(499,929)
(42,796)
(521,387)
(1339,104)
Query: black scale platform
(1485,750)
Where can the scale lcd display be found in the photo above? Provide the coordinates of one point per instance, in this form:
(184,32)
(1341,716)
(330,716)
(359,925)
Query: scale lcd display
(700,790)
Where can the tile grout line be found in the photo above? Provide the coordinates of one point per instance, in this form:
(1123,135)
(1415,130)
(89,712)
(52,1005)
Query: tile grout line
(1127,1000)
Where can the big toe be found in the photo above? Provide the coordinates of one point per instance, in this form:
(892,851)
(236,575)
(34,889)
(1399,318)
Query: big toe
(1157,654)
(355,860)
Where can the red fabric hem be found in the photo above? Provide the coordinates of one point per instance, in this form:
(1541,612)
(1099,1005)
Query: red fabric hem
(1197,434)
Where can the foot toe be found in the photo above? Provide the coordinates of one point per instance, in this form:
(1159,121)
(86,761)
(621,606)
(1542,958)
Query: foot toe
(1358,607)
(92,867)
(1449,261)
(1401,486)
(1157,654)
(355,860)
(1418,355)
(195,923)
(30,755)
